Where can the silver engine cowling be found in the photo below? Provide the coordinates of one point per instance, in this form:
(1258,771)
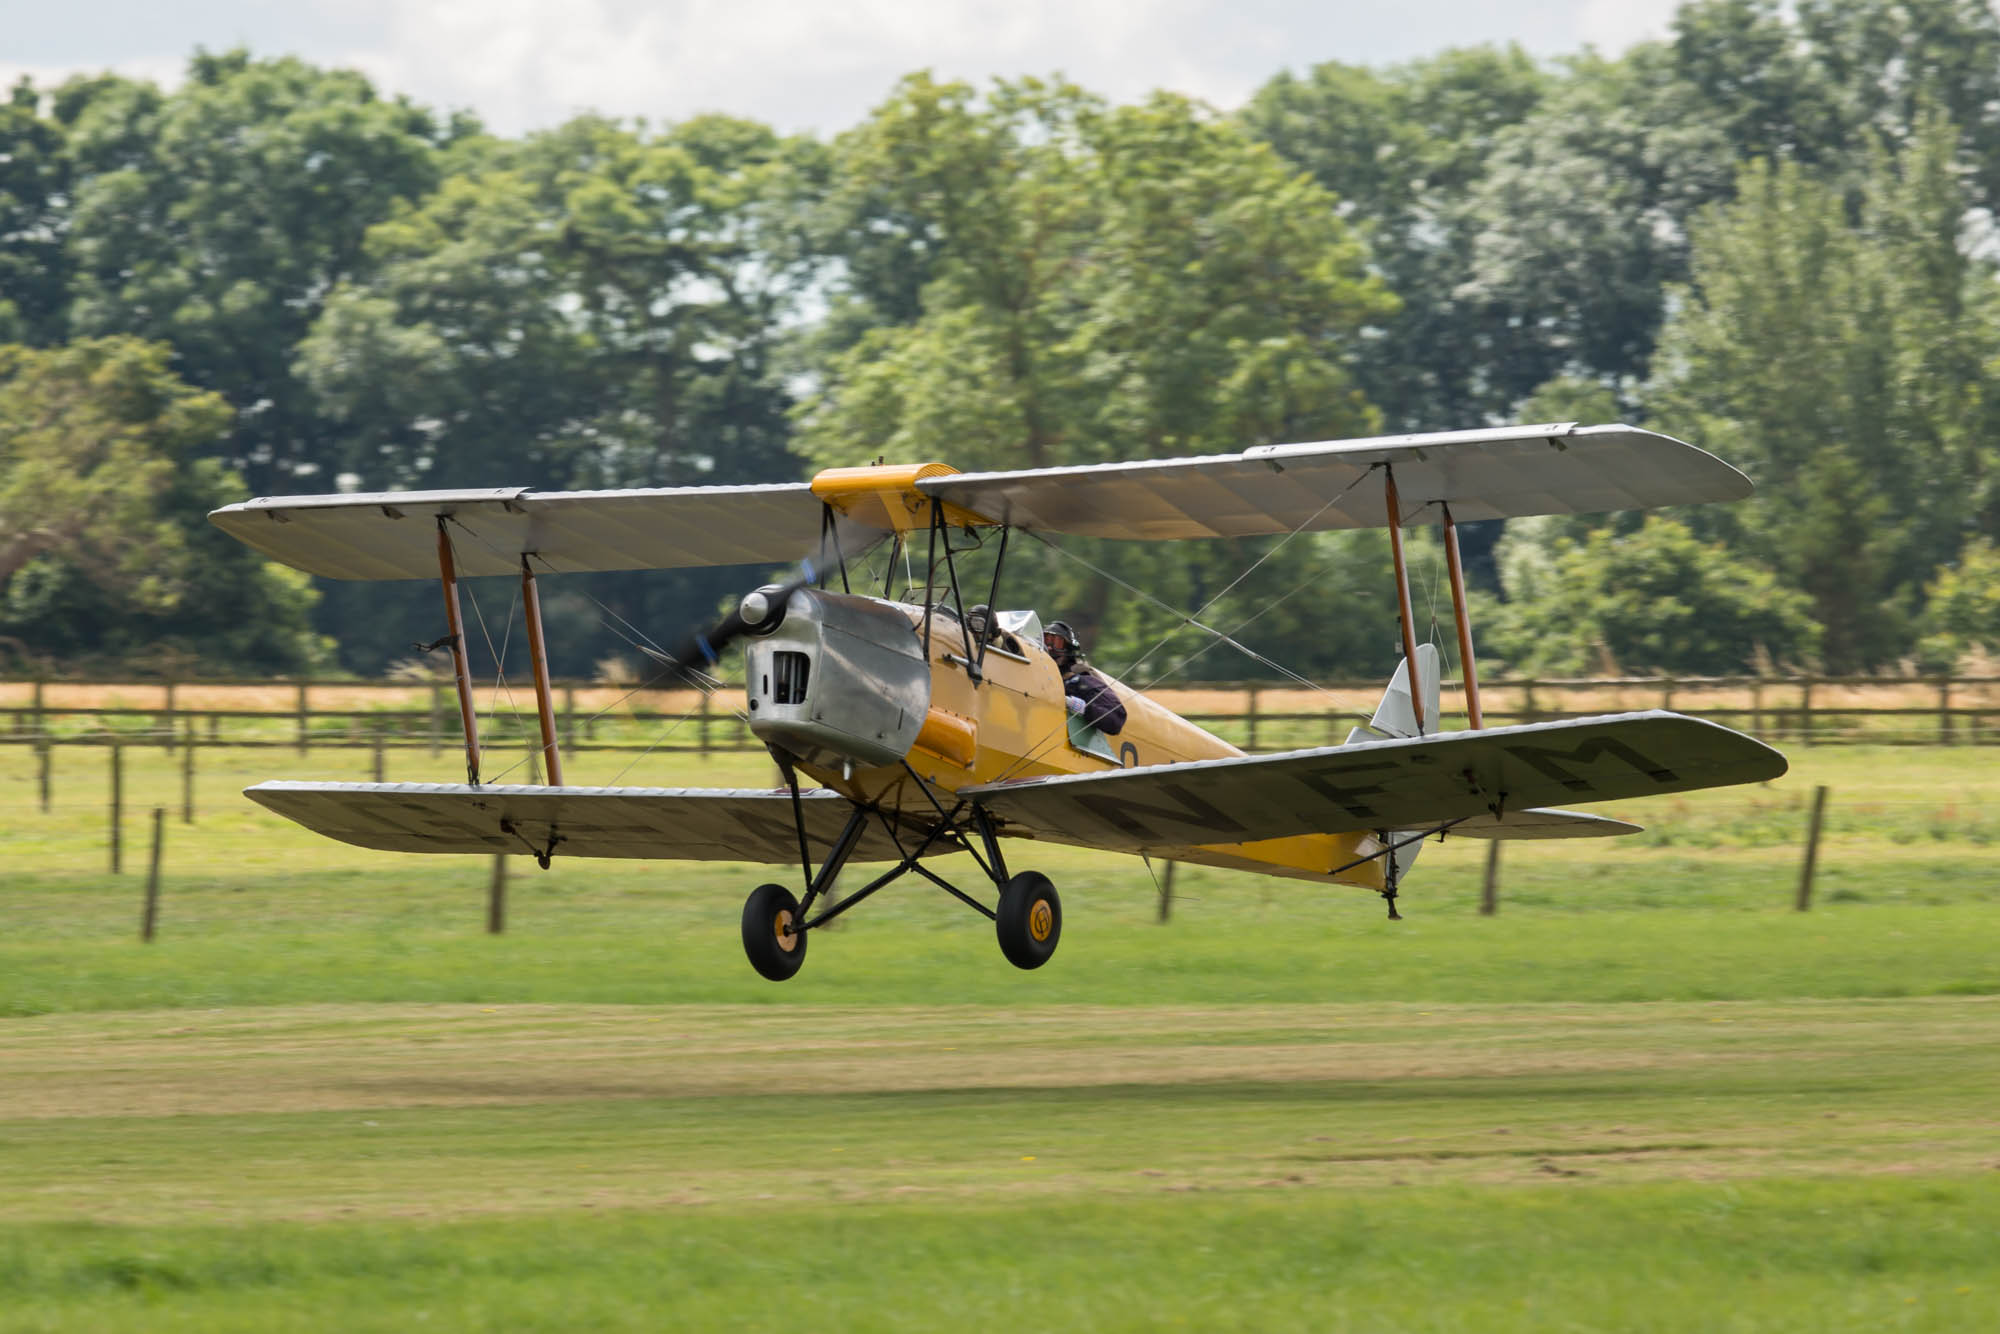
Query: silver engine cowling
(833,677)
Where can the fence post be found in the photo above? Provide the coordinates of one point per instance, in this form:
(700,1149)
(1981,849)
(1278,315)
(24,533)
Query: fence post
(1944,709)
(437,718)
(569,716)
(117,804)
(303,717)
(496,897)
(170,716)
(41,723)
(45,753)
(188,749)
(702,726)
(378,755)
(1757,706)
(1489,894)
(1812,849)
(1805,710)
(1527,701)
(1250,720)
(152,913)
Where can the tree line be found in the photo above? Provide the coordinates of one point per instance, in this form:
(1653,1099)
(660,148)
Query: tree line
(1771,233)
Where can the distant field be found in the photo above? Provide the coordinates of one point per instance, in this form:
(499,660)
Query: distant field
(1646,1096)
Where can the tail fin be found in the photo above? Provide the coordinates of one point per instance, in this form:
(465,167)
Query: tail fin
(1394,717)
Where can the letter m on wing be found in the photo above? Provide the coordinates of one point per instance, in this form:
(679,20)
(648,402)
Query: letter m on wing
(1567,767)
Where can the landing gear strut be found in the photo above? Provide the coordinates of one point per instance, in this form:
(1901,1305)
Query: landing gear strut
(776,925)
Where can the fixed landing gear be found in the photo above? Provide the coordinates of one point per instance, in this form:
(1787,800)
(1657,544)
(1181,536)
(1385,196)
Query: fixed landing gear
(773,934)
(1029,920)
(1028,923)
(776,925)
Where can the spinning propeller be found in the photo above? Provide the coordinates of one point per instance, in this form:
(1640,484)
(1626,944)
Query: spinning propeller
(760,611)
(763,608)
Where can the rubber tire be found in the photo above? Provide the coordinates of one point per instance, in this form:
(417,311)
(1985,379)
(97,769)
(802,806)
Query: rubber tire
(1014,921)
(769,955)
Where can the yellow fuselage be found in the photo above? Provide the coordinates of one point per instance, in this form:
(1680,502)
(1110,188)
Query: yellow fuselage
(1014,724)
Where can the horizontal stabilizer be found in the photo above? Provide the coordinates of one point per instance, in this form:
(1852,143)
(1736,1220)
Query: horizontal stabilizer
(666,824)
(1500,774)
(1539,824)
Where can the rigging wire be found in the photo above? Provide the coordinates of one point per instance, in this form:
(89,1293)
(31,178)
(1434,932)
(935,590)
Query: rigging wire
(500,685)
(1194,619)
(1242,648)
(1047,743)
(702,681)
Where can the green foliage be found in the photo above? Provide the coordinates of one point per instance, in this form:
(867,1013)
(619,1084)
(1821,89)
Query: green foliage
(1103,283)
(34,184)
(233,614)
(1764,233)
(1962,606)
(1847,362)
(108,556)
(1403,151)
(1108,282)
(219,216)
(1656,600)
(594,306)
(89,437)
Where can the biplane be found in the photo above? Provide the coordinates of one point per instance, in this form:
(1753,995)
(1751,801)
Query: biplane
(911,729)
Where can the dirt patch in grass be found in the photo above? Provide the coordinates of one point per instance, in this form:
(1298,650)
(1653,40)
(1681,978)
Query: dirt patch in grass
(404,1110)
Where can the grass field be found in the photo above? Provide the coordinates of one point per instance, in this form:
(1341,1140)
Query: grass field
(1646,1096)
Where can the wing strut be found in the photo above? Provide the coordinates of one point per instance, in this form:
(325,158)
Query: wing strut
(455,624)
(531,610)
(1468,669)
(1403,593)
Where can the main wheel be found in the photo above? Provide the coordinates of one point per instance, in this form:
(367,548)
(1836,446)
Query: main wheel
(771,934)
(1029,920)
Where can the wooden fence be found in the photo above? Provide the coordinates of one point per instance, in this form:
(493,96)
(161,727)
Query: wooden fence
(303,715)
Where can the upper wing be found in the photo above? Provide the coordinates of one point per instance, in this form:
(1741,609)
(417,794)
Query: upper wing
(685,824)
(1488,474)
(1401,784)
(393,534)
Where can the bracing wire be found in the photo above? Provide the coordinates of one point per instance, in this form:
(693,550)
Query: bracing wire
(1194,619)
(1045,744)
(499,655)
(708,685)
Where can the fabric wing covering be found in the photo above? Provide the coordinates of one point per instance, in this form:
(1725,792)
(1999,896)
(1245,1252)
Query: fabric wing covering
(1507,472)
(687,824)
(1381,785)
(393,534)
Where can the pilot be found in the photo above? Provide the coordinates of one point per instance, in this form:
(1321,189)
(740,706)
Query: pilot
(1090,696)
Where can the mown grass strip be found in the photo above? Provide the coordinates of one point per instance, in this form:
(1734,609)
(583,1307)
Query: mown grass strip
(1783,1255)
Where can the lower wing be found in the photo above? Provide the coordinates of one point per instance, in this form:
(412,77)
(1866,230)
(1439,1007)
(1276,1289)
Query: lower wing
(1481,778)
(687,824)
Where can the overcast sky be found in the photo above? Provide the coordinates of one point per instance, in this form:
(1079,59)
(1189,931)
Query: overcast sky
(797,64)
